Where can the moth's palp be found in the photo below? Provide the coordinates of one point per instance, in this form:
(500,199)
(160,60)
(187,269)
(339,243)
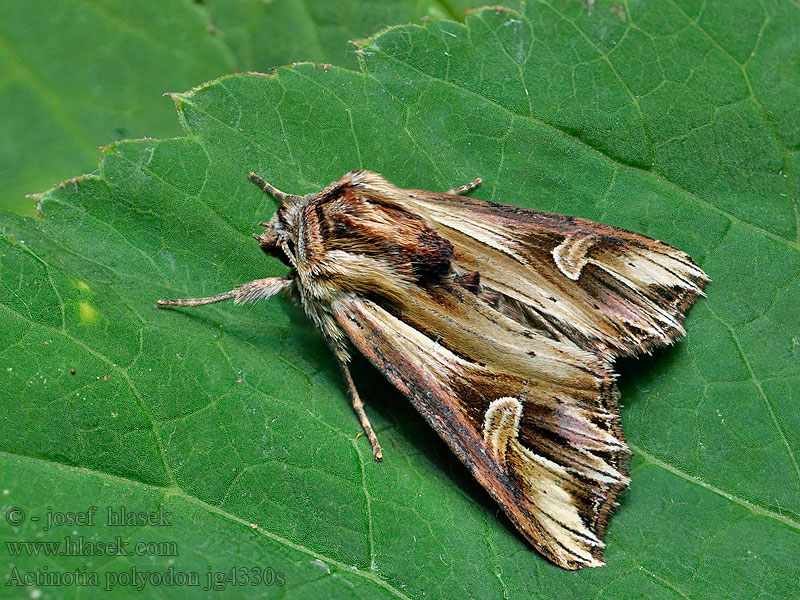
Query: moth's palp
(285,247)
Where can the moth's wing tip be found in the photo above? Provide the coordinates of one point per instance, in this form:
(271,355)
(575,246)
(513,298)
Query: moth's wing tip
(577,565)
(597,562)
(598,559)
(701,288)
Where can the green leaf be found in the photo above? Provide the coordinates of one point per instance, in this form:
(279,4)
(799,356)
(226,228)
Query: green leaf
(265,34)
(676,120)
(79,74)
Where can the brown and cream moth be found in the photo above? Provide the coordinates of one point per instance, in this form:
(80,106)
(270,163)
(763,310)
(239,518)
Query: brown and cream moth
(500,325)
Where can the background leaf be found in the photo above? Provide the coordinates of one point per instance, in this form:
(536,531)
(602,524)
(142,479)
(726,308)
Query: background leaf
(77,74)
(266,34)
(80,73)
(673,119)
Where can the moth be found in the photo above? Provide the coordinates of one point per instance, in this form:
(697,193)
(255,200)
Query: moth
(499,324)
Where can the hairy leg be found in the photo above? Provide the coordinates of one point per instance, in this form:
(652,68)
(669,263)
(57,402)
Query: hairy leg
(260,289)
(358,407)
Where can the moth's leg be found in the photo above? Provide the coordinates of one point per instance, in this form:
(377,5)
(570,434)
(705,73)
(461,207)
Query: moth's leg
(463,189)
(197,301)
(358,406)
(260,289)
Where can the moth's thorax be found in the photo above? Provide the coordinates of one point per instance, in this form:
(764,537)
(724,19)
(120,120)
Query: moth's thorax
(352,242)
(356,237)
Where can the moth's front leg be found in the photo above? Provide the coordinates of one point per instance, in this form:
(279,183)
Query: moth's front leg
(358,407)
(260,289)
(467,187)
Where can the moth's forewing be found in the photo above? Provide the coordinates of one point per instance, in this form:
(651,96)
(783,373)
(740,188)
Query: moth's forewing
(609,290)
(535,420)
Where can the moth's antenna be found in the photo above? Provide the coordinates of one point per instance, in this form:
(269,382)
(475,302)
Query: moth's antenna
(272,190)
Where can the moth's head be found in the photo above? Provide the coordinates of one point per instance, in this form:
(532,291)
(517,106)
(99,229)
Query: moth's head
(280,233)
(283,229)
